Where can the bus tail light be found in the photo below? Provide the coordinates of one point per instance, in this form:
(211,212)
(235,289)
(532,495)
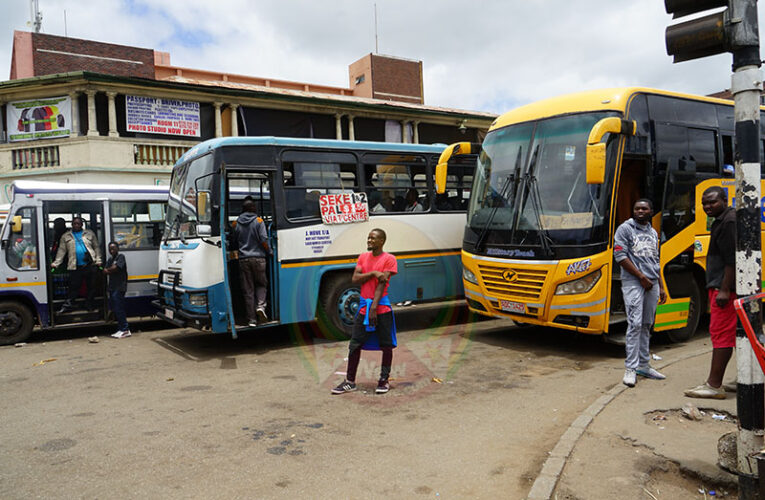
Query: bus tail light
(581,285)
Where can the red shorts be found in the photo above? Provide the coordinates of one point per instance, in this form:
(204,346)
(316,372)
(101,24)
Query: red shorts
(722,321)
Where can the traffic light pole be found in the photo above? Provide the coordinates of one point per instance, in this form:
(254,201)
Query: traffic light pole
(750,398)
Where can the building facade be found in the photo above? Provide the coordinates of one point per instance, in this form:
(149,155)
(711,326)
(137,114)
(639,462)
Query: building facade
(83,111)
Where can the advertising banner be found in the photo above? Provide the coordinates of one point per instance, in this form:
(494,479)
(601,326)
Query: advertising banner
(39,119)
(151,115)
(344,208)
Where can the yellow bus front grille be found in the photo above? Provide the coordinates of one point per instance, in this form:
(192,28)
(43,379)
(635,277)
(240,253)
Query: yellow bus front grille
(513,282)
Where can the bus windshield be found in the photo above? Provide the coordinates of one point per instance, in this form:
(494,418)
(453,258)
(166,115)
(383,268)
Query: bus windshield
(187,181)
(530,187)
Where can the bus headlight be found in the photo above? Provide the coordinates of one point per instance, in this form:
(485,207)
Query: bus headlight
(581,285)
(468,276)
(198,299)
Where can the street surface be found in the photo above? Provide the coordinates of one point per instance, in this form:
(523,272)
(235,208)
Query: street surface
(475,408)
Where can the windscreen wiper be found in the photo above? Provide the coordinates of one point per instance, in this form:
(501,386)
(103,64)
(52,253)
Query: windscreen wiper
(502,194)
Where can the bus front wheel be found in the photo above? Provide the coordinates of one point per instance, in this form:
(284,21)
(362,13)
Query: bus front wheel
(694,313)
(16,323)
(338,305)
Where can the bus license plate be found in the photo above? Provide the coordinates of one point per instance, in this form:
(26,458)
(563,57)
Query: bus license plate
(169,313)
(513,307)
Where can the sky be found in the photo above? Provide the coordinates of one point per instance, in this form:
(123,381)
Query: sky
(487,55)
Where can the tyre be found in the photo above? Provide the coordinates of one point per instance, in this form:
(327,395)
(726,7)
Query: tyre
(694,313)
(338,305)
(16,323)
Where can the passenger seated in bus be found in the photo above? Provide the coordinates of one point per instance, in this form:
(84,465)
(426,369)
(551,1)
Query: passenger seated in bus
(59,228)
(412,201)
(375,202)
(83,258)
(252,241)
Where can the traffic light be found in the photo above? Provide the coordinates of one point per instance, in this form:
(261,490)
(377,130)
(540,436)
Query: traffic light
(730,30)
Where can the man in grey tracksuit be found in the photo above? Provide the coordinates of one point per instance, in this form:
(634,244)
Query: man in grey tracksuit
(252,242)
(636,249)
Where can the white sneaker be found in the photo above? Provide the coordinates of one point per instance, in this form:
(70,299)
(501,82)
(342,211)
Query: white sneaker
(117,334)
(650,372)
(630,377)
(121,334)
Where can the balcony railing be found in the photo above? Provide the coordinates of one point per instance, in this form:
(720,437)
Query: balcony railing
(157,154)
(38,157)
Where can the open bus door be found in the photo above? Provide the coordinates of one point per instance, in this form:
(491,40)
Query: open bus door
(257,186)
(58,280)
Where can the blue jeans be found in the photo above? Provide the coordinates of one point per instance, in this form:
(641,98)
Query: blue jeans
(117,303)
(641,310)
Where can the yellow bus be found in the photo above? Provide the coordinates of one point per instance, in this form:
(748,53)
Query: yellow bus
(556,178)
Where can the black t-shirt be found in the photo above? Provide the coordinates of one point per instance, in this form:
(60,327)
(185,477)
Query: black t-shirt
(722,247)
(118,280)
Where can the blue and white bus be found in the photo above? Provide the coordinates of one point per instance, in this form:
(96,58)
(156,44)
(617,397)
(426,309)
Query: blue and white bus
(32,294)
(310,270)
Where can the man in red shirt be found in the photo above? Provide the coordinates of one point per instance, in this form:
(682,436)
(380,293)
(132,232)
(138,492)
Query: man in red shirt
(375,318)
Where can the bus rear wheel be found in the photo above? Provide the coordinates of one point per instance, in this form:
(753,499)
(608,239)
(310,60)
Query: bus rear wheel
(16,323)
(338,304)
(694,313)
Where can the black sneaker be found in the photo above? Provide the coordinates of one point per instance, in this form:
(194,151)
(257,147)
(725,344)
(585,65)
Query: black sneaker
(382,387)
(344,387)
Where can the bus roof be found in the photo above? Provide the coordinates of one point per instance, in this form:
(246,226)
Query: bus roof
(35,187)
(309,143)
(613,99)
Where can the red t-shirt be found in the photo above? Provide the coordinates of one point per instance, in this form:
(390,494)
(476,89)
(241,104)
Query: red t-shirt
(368,262)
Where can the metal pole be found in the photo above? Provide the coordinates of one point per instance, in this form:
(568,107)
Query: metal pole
(747,89)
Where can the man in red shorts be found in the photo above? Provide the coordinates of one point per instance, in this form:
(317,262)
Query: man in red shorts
(721,286)
(373,271)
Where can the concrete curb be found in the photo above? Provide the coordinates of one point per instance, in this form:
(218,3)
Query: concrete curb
(544,484)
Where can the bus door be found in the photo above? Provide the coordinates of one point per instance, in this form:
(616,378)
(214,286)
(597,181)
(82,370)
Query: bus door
(137,226)
(255,185)
(57,219)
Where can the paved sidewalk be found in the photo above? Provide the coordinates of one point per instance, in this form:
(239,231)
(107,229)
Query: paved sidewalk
(635,440)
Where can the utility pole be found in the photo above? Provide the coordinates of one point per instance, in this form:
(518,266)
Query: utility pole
(736,30)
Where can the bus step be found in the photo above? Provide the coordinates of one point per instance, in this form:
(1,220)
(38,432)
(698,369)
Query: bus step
(618,317)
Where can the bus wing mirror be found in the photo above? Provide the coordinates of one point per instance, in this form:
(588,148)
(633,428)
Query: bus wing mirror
(596,150)
(16,224)
(204,211)
(204,230)
(458,148)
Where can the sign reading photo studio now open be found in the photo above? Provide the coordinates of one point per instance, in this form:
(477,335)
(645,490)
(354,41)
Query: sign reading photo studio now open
(151,115)
(33,119)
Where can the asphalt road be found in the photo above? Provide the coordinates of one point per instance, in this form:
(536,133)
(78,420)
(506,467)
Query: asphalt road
(475,407)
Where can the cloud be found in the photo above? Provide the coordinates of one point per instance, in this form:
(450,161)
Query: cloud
(491,55)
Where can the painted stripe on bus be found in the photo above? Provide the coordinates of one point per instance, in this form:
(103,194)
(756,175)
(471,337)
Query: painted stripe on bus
(352,260)
(141,277)
(12,285)
(676,307)
(670,323)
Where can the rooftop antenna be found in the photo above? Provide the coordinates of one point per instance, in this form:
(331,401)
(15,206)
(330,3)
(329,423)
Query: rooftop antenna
(65,32)
(35,15)
(376,51)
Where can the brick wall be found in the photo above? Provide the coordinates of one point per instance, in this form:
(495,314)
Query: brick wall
(397,79)
(58,54)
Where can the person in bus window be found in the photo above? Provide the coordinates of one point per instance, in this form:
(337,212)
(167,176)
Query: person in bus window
(83,257)
(252,242)
(59,228)
(412,202)
(721,288)
(636,249)
(116,270)
(374,327)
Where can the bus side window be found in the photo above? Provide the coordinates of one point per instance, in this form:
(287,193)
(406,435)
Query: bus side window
(21,251)
(137,225)
(305,182)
